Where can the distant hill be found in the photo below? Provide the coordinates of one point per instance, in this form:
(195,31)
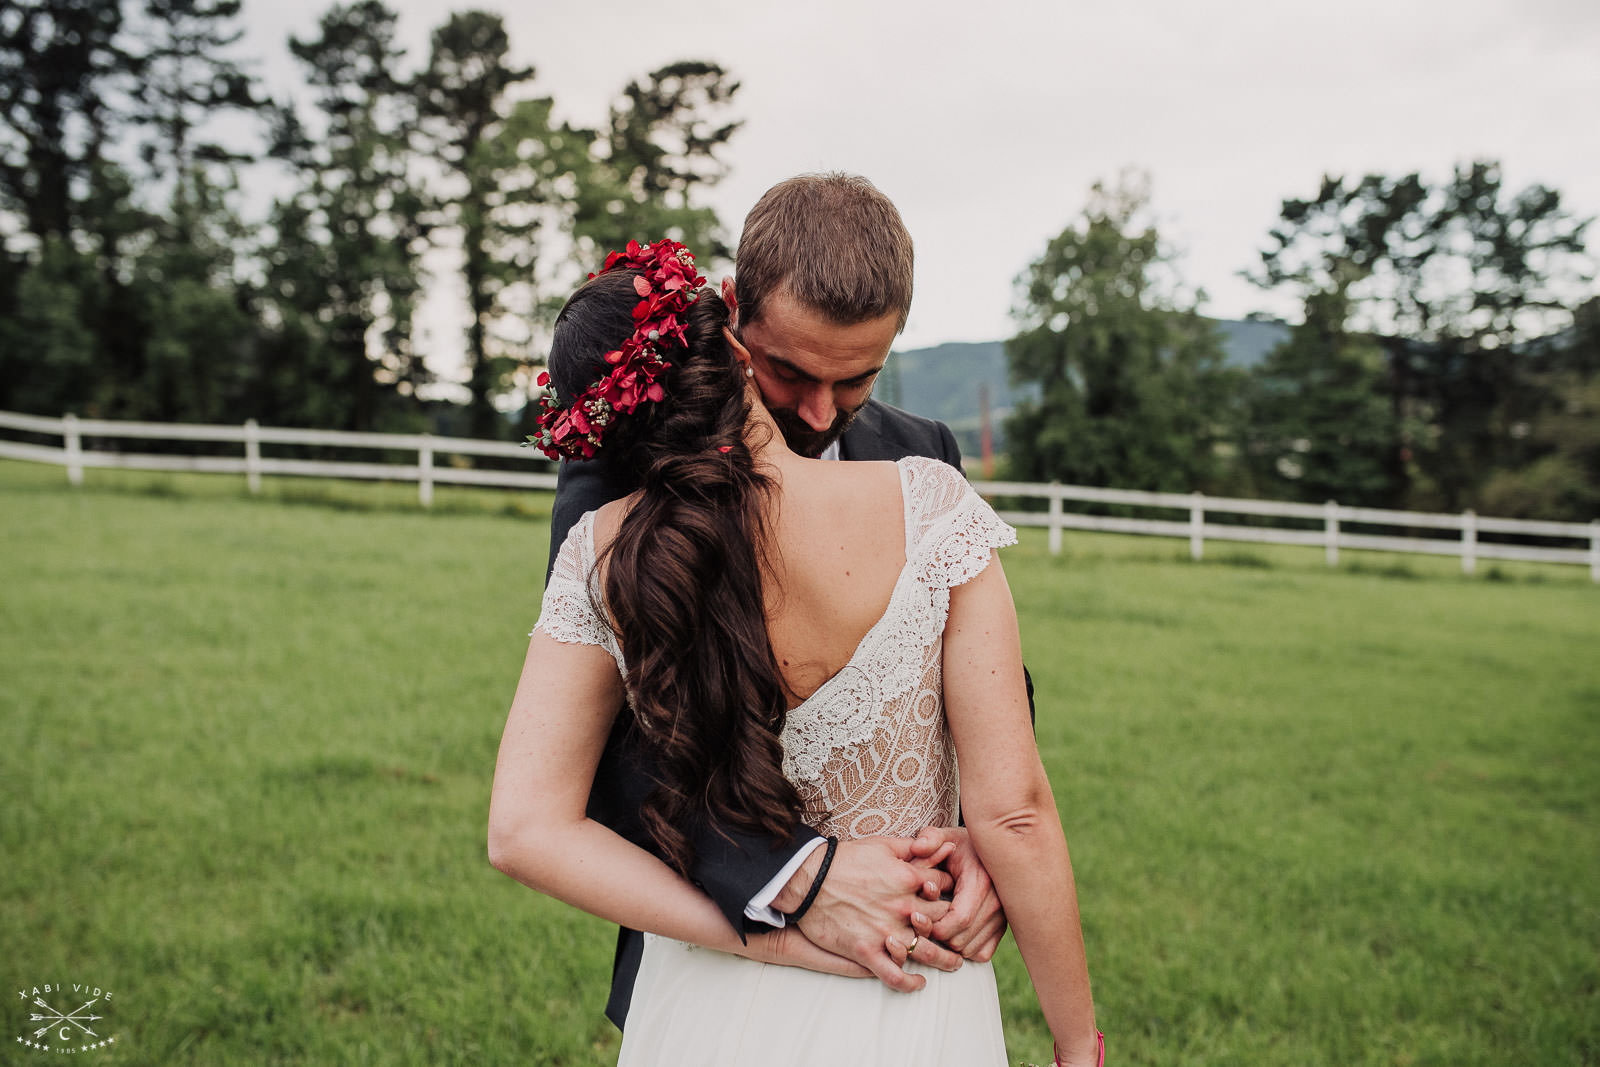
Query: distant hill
(1246,342)
(944,382)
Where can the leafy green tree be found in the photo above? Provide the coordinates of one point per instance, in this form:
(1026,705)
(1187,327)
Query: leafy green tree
(182,322)
(1557,470)
(60,62)
(1453,277)
(539,165)
(1132,389)
(187,81)
(462,100)
(131,286)
(658,150)
(61,67)
(343,263)
(152,294)
(47,348)
(1317,426)
(199,311)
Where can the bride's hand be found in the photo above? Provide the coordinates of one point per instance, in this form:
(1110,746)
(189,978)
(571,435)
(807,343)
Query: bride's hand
(869,895)
(791,948)
(975,923)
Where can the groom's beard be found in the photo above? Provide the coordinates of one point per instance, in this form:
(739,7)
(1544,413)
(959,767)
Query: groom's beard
(805,441)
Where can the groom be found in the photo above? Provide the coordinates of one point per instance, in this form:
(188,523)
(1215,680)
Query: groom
(823,286)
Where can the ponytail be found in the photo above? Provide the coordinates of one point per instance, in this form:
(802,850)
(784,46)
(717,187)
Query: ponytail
(683,591)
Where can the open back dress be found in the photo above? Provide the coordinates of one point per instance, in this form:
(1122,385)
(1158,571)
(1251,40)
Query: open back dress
(871,754)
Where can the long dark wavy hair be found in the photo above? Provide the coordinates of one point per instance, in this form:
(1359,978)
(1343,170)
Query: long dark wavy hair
(683,577)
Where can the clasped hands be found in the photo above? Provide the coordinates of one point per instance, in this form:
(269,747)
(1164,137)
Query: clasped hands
(883,903)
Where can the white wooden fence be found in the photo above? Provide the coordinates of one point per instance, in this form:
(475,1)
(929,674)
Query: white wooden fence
(1475,537)
(426,472)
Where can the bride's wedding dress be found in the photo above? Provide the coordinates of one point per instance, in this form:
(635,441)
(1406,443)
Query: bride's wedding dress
(872,751)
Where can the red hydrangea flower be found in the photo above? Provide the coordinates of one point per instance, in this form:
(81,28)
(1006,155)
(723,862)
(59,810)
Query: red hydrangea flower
(667,285)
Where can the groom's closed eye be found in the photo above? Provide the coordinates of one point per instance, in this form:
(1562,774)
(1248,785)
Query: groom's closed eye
(792,373)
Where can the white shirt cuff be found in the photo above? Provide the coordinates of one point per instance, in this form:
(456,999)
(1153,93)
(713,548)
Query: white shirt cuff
(760,907)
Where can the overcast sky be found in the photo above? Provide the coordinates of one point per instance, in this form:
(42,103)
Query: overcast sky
(986,123)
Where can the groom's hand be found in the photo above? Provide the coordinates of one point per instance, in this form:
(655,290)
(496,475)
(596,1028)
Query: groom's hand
(872,891)
(974,923)
(790,947)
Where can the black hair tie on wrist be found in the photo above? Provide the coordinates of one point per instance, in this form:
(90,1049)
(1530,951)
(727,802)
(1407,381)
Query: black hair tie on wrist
(816,883)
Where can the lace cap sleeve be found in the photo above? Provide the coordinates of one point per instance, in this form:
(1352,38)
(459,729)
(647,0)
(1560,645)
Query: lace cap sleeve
(951,530)
(567,612)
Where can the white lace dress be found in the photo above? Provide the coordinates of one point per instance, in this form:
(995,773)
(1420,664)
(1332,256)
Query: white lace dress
(872,751)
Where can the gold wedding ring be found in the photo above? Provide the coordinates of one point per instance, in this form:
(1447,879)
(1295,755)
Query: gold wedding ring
(915,938)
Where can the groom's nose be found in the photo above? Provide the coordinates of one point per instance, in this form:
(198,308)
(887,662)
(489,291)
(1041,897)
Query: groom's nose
(816,407)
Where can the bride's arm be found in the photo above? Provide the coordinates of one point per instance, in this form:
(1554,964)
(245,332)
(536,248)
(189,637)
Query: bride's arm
(1008,805)
(540,835)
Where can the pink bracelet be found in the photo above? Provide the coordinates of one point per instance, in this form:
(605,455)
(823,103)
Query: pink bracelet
(1100,1050)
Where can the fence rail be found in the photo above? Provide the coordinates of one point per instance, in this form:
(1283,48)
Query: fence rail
(1200,521)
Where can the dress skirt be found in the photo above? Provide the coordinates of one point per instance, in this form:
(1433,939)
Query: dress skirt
(695,1007)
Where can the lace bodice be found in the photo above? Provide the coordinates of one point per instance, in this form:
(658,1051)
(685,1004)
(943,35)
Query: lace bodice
(870,750)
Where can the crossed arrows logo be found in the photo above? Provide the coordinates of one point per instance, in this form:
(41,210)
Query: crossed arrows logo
(55,1018)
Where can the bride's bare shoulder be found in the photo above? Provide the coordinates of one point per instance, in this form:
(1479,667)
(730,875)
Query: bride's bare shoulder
(869,478)
(608,519)
(836,496)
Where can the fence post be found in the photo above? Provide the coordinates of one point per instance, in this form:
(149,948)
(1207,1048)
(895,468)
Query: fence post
(1197,526)
(1594,550)
(252,455)
(1330,521)
(425,471)
(1469,542)
(74,442)
(1055,518)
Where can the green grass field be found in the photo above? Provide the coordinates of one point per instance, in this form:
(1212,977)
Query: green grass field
(1318,817)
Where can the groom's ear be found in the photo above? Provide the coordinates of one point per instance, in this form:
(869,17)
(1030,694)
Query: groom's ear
(729,298)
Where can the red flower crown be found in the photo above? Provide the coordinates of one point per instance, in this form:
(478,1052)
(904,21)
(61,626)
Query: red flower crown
(667,288)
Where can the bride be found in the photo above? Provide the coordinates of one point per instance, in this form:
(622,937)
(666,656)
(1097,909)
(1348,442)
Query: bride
(790,637)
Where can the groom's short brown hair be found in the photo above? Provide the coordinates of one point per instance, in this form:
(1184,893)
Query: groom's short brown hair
(834,242)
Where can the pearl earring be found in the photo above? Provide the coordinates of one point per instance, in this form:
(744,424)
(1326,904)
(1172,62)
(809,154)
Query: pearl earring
(749,371)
